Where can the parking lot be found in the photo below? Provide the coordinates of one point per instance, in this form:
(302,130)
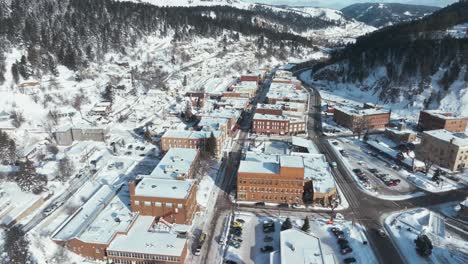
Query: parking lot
(371,170)
(261,236)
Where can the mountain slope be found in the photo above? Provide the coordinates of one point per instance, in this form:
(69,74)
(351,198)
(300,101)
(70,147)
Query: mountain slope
(420,62)
(380,15)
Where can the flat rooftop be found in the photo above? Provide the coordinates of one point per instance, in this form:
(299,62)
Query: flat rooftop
(104,214)
(162,188)
(361,112)
(443,115)
(458,139)
(316,168)
(259,116)
(177,162)
(291,161)
(146,238)
(270,106)
(299,247)
(258,167)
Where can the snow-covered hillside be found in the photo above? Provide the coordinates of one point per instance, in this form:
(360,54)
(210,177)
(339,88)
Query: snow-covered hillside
(192,3)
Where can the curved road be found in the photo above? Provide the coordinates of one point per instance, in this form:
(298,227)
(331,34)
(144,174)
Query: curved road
(365,209)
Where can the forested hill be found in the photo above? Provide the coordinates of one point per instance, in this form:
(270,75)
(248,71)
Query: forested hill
(75,32)
(404,59)
(386,14)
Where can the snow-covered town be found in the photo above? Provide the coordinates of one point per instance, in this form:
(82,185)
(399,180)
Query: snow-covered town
(227,131)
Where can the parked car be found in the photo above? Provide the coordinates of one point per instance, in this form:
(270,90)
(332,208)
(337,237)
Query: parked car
(382,233)
(349,260)
(373,170)
(230,262)
(346,251)
(236,224)
(266,249)
(283,205)
(260,204)
(342,241)
(242,221)
(268,239)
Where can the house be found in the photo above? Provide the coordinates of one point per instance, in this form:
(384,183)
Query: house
(101,109)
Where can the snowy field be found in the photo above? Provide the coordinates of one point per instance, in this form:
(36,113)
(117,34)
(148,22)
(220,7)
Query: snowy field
(404,228)
(254,239)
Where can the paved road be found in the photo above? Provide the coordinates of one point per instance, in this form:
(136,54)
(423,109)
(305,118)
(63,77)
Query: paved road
(365,209)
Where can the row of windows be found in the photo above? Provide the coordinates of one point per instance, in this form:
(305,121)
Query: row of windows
(140,256)
(270,190)
(158,204)
(271,182)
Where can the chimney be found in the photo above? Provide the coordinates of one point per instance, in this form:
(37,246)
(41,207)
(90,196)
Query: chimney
(451,140)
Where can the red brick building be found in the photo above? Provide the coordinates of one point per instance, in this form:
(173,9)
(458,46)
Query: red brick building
(434,120)
(273,179)
(173,200)
(361,119)
(278,125)
(191,139)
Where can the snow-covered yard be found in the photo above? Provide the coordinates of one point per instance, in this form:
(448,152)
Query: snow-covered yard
(404,227)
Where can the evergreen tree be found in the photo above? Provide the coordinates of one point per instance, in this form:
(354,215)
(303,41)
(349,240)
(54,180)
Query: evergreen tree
(65,169)
(28,179)
(16,247)
(286,224)
(423,245)
(184,82)
(15,72)
(306,225)
(211,145)
(108,94)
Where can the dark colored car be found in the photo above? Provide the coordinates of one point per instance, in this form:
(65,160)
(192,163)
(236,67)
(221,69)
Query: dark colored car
(283,205)
(268,239)
(266,249)
(346,251)
(373,170)
(349,260)
(342,241)
(230,262)
(260,204)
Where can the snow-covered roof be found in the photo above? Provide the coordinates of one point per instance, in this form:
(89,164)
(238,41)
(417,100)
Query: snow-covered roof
(299,247)
(82,220)
(316,169)
(162,188)
(458,139)
(223,113)
(259,116)
(115,217)
(177,162)
(144,237)
(258,167)
(291,104)
(305,143)
(361,112)
(291,161)
(442,114)
(270,106)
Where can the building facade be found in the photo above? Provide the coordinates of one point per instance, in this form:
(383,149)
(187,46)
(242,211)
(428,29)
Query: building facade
(361,119)
(400,136)
(65,137)
(444,148)
(277,125)
(433,120)
(274,181)
(173,200)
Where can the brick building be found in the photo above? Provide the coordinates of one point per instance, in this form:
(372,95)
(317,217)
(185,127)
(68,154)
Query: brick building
(177,164)
(270,109)
(172,200)
(361,119)
(434,119)
(444,148)
(191,139)
(400,135)
(270,178)
(276,124)
(148,241)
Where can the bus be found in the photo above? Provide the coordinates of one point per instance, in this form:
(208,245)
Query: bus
(201,240)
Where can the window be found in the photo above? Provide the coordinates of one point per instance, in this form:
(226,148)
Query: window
(169,205)
(147,203)
(179,205)
(137,203)
(158,204)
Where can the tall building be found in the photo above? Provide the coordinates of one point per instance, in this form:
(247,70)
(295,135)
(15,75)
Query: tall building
(270,178)
(361,118)
(444,148)
(435,119)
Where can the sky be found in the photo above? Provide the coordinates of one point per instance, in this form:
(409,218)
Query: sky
(338,4)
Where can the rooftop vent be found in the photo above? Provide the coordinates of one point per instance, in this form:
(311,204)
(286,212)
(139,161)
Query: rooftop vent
(154,186)
(174,187)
